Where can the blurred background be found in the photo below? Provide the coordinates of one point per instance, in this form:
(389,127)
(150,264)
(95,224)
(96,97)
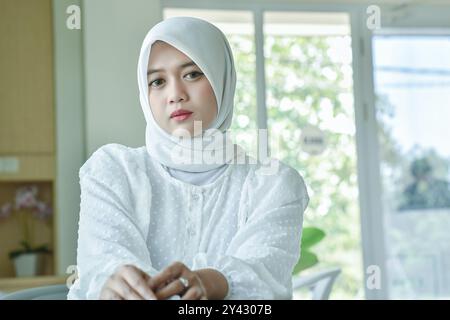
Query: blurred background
(355,95)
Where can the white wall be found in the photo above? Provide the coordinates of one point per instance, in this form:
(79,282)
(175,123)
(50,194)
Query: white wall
(113,32)
(70,144)
(96,95)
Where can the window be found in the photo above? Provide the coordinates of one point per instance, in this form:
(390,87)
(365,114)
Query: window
(412,83)
(308,65)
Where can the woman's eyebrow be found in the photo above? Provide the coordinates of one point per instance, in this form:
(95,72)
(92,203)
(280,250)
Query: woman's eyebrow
(184,65)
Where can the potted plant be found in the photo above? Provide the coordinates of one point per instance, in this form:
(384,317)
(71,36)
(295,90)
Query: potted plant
(310,237)
(28,259)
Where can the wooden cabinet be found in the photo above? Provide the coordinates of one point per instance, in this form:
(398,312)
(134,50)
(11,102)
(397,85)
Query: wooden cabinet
(27,117)
(26,77)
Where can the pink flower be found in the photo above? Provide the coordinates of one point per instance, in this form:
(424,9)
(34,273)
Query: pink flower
(5,210)
(26,197)
(42,210)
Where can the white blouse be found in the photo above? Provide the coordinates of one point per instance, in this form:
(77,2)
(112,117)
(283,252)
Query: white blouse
(244,224)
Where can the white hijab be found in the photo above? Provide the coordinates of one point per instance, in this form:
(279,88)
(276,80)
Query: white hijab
(208,47)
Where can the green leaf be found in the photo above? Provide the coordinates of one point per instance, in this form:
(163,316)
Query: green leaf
(26,245)
(307,260)
(311,236)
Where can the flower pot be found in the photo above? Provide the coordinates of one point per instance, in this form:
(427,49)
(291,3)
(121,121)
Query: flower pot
(28,264)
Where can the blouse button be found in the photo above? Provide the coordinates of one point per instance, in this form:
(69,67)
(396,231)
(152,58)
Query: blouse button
(195,196)
(191,232)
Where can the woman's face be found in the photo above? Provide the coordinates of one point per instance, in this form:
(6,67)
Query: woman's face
(175,82)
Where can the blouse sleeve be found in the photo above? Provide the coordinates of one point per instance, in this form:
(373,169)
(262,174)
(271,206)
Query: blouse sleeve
(263,253)
(108,235)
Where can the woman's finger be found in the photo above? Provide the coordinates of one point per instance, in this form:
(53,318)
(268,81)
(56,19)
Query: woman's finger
(138,281)
(109,294)
(173,288)
(169,274)
(194,293)
(163,285)
(121,287)
(195,282)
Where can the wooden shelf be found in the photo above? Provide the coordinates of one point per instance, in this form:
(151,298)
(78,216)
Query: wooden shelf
(14,284)
(31,167)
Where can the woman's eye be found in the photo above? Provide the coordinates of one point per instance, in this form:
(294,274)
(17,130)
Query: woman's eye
(151,83)
(194,73)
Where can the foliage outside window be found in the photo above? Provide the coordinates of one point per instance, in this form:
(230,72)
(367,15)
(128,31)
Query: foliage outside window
(309,82)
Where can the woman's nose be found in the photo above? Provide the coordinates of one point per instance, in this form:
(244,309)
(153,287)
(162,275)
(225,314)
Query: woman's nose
(177,92)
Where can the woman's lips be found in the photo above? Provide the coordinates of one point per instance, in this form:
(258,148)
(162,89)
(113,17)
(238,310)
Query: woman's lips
(182,117)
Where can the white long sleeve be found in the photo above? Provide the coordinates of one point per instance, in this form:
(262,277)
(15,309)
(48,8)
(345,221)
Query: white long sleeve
(109,232)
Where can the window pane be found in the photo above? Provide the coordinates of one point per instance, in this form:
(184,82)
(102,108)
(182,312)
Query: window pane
(412,82)
(309,83)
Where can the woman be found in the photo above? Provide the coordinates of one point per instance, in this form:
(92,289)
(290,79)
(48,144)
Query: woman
(184,216)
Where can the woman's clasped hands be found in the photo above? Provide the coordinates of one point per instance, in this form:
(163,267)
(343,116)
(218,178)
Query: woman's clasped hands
(130,283)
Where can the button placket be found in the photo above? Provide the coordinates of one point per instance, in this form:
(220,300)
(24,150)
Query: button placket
(190,226)
(196,201)
(196,198)
(188,240)
(191,231)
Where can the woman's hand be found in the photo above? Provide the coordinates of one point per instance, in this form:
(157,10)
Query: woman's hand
(168,283)
(128,283)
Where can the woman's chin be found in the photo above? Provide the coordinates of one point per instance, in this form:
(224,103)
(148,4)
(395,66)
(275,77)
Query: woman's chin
(184,130)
